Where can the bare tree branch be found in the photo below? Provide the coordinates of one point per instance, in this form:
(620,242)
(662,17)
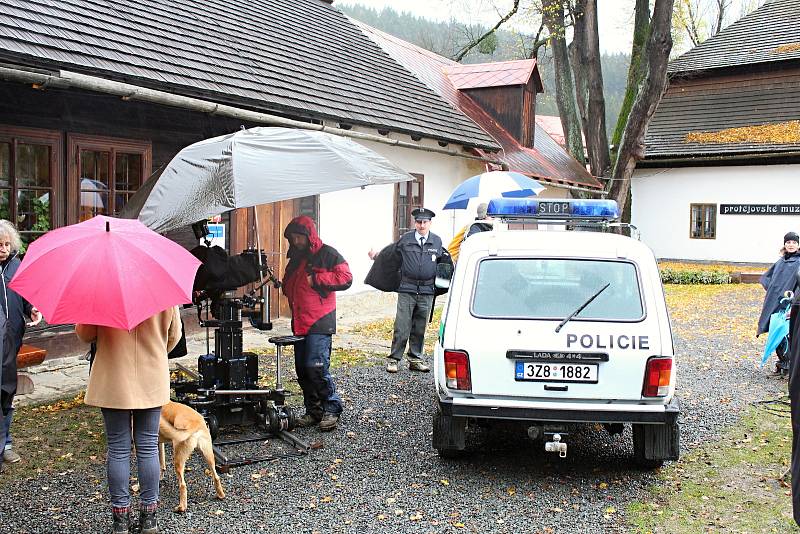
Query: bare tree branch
(538,42)
(475,42)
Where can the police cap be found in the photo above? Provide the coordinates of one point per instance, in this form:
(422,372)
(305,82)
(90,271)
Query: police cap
(422,214)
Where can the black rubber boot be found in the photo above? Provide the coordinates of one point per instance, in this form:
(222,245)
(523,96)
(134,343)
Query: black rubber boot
(147,522)
(122,522)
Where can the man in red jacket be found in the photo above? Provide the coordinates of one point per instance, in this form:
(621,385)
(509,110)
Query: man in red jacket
(315,271)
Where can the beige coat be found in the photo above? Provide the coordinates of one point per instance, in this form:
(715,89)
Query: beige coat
(131,370)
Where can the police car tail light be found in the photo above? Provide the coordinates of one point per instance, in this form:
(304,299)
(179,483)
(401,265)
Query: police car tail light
(657,376)
(456,369)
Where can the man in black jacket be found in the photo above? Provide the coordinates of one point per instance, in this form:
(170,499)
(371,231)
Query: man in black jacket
(419,251)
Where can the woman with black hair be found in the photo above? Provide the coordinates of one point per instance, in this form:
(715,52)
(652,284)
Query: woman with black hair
(781,277)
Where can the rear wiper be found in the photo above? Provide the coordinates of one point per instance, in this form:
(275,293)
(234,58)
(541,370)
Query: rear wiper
(581,307)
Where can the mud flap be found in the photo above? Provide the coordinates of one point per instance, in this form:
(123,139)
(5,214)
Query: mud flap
(657,442)
(449,432)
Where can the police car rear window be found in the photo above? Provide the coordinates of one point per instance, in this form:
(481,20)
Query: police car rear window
(553,288)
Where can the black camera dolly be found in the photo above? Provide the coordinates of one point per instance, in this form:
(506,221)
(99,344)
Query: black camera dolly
(251,405)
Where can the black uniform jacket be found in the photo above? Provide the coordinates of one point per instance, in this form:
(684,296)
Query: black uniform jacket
(418,267)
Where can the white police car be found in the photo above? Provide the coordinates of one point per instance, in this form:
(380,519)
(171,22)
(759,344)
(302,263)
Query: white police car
(556,329)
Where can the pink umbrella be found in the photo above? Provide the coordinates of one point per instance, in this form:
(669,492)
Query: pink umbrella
(105,271)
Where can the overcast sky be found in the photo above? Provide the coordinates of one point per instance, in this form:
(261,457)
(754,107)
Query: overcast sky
(615,18)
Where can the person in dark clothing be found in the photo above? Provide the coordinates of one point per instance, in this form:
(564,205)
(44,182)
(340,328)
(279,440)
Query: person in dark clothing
(482,222)
(794,398)
(14,311)
(419,251)
(314,273)
(776,281)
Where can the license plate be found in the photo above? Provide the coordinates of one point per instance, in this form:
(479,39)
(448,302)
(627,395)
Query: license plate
(556,372)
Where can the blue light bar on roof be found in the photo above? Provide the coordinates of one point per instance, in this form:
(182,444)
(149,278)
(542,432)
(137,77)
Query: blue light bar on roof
(534,208)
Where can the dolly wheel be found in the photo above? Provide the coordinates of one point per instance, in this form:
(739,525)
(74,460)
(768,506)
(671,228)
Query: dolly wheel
(213,426)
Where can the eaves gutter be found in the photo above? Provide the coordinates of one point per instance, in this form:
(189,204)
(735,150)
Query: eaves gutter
(73,80)
(719,158)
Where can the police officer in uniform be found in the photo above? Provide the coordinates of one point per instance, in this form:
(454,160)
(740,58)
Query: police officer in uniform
(419,251)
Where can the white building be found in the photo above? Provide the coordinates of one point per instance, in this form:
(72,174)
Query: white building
(721,177)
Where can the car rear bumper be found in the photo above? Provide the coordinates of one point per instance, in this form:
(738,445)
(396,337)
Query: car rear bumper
(660,414)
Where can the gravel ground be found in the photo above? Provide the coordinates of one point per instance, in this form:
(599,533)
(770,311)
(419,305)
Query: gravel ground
(378,473)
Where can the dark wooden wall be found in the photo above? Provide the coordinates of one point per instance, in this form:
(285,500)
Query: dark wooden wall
(514,107)
(168,129)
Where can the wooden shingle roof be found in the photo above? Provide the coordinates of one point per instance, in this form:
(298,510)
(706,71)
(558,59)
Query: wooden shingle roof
(715,103)
(300,58)
(726,91)
(770,33)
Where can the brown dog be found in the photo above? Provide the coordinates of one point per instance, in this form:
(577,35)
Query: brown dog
(186,430)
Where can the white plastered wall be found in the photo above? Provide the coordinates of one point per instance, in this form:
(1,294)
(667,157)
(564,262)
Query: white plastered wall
(661,200)
(355,221)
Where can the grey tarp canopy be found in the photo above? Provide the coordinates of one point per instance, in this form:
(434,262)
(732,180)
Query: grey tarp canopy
(255,166)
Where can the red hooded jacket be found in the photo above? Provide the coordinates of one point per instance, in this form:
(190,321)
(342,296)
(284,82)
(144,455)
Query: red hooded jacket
(313,305)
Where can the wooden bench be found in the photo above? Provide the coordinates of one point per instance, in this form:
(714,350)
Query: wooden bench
(749,277)
(29,356)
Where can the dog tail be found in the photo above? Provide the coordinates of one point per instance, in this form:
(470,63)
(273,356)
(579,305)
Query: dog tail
(178,431)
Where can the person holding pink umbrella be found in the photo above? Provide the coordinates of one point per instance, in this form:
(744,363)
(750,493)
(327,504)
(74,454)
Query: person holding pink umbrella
(120,283)
(129,382)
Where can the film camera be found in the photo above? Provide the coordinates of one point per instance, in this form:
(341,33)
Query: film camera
(225,389)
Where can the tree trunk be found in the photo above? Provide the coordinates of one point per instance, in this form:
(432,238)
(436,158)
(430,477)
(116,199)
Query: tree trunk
(578,60)
(596,136)
(637,68)
(632,147)
(565,90)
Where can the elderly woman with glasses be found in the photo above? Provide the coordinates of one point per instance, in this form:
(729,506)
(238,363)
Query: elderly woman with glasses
(15,309)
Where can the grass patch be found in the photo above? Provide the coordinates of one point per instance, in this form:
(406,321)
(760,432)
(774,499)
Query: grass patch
(384,328)
(376,329)
(52,438)
(731,485)
(355,358)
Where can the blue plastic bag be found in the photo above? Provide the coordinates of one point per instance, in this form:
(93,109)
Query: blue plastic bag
(778,331)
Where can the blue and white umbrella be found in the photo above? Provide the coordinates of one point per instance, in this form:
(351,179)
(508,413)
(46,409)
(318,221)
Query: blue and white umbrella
(492,184)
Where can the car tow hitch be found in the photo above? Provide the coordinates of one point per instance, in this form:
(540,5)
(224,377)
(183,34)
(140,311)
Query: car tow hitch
(556,446)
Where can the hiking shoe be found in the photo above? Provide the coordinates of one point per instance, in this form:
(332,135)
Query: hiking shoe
(418,366)
(776,371)
(328,422)
(306,421)
(392,366)
(10,456)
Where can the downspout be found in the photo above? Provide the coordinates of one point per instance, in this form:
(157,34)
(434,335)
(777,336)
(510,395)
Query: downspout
(67,79)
